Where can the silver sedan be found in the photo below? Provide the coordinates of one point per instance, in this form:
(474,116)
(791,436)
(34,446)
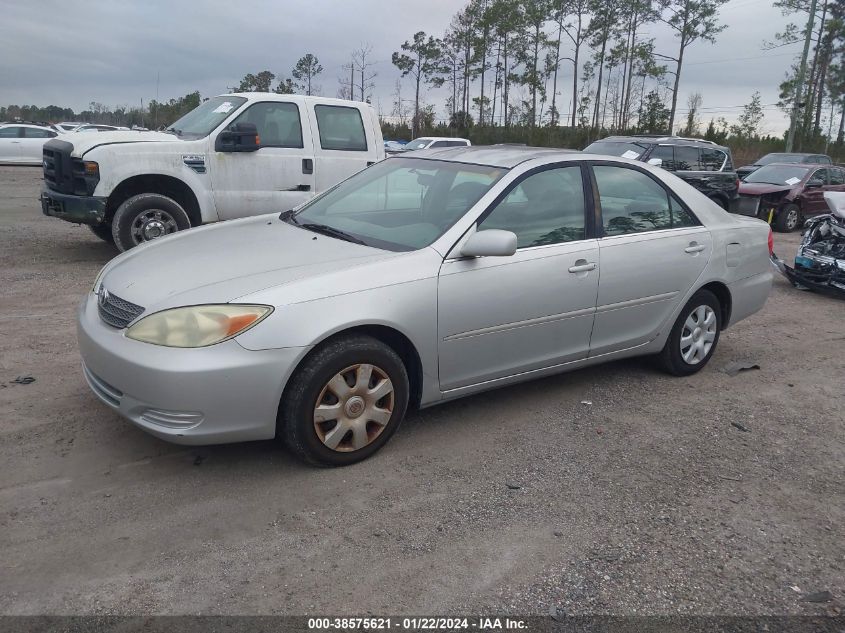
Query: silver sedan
(419,280)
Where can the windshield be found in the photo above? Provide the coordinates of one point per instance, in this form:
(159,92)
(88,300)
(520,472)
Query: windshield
(781,158)
(419,143)
(202,120)
(778,175)
(616,148)
(399,204)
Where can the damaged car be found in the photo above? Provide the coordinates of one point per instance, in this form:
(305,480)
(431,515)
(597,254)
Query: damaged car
(783,157)
(820,262)
(786,194)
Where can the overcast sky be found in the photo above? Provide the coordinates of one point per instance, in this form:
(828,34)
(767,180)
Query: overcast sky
(72,52)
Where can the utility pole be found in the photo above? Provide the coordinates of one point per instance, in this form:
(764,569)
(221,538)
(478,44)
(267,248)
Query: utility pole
(799,84)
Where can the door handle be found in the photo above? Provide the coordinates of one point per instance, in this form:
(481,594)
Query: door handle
(582,266)
(694,247)
(307,166)
(298,188)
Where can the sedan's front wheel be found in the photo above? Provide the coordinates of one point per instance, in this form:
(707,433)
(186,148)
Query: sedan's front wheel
(788,218)
(694,336)
(344,402)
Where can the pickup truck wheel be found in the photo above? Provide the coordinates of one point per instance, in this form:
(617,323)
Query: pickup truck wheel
(103,231)
(788,219)
(145,217)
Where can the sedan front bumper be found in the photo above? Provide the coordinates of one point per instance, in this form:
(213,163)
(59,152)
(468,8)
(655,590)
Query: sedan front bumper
(209,395)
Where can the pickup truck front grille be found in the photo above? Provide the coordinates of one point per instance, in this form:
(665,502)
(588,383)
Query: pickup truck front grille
(62,172)
(115,311)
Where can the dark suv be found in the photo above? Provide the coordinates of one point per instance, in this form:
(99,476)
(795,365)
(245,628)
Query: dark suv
(778,157)
(705,165)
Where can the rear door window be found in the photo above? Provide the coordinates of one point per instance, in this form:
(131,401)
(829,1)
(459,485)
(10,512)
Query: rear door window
(837,176)
(687,158)
(712,159)
(633,202)
(9,132)
(341,128)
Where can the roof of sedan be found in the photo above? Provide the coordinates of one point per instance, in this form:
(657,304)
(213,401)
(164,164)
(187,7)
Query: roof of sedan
(493,155)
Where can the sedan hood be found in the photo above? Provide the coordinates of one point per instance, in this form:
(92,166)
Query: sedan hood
(761,188)
(219,263)
(84,141)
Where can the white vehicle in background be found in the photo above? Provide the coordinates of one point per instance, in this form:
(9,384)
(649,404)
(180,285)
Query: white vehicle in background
(98,127)
(67,126)
(235,155)
(435,142)
(22,143)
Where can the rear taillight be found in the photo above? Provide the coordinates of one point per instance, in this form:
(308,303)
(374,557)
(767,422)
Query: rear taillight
(771,242)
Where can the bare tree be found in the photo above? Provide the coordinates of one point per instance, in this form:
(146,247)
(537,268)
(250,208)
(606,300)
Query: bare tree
(363,73)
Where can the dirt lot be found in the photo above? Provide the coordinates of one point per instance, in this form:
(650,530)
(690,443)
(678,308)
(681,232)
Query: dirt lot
(647,501)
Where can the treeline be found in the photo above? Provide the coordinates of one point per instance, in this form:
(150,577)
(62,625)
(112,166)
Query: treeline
(502,64)
(154,116)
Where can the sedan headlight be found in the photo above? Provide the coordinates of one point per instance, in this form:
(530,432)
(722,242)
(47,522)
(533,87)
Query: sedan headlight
(197,326)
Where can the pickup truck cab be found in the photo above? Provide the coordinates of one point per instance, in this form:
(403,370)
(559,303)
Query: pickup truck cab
(235,155)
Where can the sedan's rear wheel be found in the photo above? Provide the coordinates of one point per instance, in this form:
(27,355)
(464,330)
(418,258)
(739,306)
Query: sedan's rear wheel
(694,336)
(344,402)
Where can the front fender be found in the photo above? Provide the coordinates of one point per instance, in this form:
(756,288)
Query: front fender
(118,163)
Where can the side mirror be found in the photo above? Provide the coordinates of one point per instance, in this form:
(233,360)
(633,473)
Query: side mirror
(657,162)
(490,243)
(240,137)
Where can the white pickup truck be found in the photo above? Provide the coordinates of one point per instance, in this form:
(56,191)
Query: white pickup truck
(233,156)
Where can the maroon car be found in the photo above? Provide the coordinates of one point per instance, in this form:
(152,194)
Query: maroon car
(785,193)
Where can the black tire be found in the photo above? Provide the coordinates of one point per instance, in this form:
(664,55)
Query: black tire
(103,231)
(137,214)
(671,358)
(296,425)
(787,219)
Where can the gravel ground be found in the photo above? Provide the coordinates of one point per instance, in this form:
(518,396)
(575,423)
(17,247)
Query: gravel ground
(647,501)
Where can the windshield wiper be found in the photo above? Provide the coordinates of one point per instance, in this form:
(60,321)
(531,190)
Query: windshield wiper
(325,229)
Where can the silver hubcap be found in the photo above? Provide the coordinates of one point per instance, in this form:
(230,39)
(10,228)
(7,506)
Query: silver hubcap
(152,224)
(792,219)
(698,334)
(354,408)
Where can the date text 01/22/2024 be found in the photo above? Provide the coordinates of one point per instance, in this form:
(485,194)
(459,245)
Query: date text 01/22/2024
(417,624)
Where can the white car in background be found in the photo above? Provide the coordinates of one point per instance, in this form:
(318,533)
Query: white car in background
(435,142)
(67,126)
(98,127)
(21,143)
